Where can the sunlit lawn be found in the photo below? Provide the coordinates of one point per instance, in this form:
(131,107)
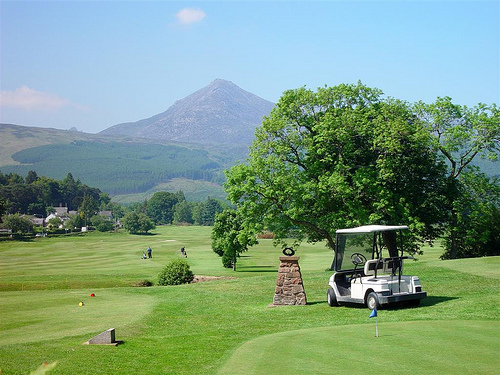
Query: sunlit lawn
(205,328)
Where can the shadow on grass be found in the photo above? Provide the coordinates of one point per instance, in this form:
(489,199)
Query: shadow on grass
(257,269)
(429,301)
(17,239)
(434,300)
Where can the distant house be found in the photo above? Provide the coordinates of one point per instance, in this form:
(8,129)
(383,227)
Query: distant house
(61,211)
(107,214)
(6,231)
(51,216)
(38,221)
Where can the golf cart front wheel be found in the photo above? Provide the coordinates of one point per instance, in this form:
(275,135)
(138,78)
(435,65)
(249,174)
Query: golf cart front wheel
(372,301)
(331,298)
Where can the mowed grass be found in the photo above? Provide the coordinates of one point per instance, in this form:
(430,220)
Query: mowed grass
(226,326)
(400,348)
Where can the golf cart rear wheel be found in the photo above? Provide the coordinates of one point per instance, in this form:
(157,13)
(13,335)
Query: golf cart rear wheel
(372,301)
(331,298)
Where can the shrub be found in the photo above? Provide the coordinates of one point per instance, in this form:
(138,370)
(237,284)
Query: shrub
(17,223)
(101,223)
(137,223)
(175,273)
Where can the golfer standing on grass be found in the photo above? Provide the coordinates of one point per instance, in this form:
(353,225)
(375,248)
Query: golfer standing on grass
(149,251)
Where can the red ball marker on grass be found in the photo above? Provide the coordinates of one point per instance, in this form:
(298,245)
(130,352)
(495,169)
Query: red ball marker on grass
(92,295)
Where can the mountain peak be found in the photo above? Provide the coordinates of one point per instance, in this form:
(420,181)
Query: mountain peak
(220,81)
(220,113)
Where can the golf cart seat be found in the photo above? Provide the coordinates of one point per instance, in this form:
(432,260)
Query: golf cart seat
(373,266)
(384,265)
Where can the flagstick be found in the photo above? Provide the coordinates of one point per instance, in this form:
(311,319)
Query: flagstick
(376,326)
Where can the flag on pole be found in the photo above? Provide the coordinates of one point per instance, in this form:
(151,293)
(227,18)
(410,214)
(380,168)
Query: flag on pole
(373,314)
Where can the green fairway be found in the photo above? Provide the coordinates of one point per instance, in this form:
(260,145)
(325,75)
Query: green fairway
(226,326)
(486,266)
(32,312)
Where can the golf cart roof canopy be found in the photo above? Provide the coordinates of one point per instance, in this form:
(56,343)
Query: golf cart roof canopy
(371,229)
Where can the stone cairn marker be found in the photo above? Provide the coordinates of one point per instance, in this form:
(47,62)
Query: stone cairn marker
(289,287)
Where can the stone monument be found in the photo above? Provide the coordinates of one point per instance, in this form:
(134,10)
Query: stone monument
(289,287)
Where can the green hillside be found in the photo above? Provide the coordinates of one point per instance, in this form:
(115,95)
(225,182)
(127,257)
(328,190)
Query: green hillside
(117,167)
(15,138)
(126,168)
(194,191)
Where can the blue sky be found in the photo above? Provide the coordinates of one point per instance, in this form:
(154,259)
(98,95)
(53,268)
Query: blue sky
(94,64)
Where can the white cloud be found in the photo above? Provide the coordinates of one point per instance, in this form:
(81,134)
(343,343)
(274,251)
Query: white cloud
(188,16)
(29,99)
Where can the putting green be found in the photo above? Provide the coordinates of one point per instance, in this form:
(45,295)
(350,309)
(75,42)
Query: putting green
(416,347)
(49,315)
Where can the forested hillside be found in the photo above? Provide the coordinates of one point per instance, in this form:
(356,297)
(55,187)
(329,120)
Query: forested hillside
(117,168)
(14,138)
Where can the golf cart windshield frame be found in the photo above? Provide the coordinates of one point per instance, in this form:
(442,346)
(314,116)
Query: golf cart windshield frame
(372,233)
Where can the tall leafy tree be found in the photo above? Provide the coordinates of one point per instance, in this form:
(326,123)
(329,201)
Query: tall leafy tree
(101,223)
(34,194)
(138,206)
(31,177)
(338,157)
(183,213)
(88,208)
(17,223)
(137,222)
(204,212)
(69,188)
(462,134)
(3,208)
(116,209)
(230,237)
(477,208)
(160,207)
(48,193)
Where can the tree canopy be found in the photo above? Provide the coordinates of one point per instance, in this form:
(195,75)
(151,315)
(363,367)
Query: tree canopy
(17,223)
(137,223)
(230,238)
(34,194)
(339,157)
(160,207)
(462,134)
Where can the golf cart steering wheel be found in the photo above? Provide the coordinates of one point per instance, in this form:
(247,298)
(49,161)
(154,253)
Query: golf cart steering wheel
(358,259)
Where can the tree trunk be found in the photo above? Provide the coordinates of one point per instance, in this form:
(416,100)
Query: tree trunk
(331,245)
(390,242)
(453,218)
(453,234)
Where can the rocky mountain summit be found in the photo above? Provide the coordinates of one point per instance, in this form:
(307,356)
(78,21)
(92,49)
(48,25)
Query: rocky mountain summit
(220,113)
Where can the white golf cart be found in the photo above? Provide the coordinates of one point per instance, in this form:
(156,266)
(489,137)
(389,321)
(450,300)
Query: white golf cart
(375,282)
